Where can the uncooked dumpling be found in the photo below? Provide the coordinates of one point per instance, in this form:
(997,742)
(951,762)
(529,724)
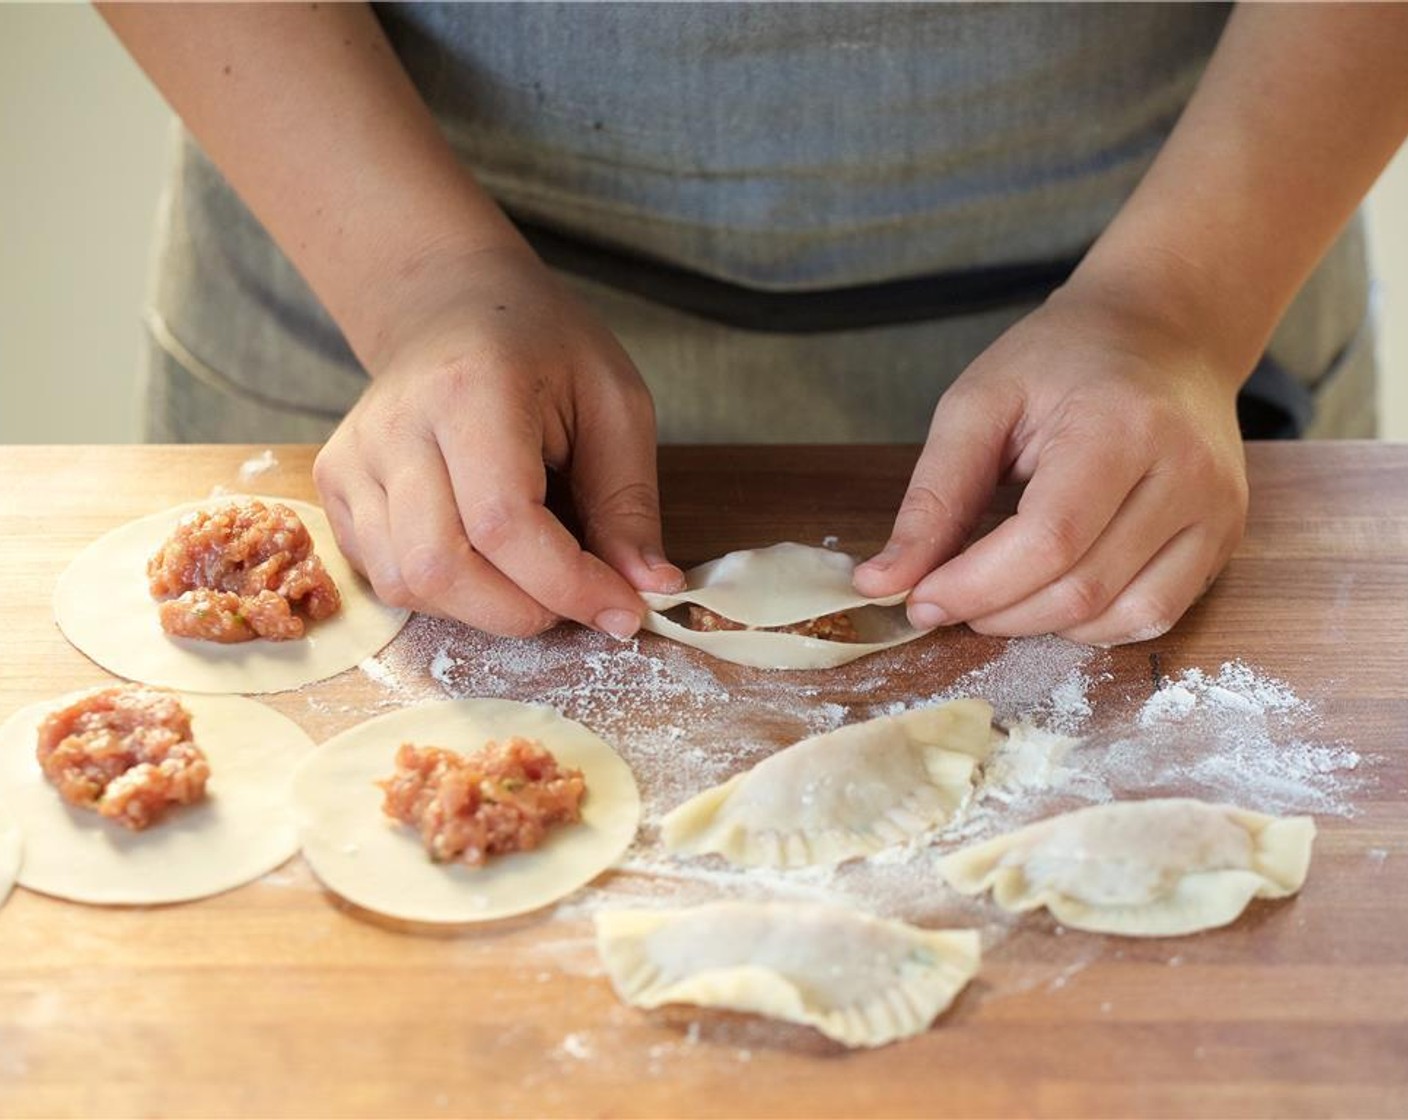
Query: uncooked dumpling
(860,980)
(841,795)
(379,864)
(1142,868)
(104,607)
(780,586)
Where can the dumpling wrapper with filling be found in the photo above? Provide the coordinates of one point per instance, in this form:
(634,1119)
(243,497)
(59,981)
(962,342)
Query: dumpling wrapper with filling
(779,586)
(1154,868)
(841,795)
(860,980)
(104,607)
(358,852)
(242,829)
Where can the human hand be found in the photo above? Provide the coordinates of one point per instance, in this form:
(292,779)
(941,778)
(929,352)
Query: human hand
(435,481)
(1126,435)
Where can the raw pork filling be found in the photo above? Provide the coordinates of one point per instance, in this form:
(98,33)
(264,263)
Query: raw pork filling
(241,572)
(828,627)
(126,753)
(501,799)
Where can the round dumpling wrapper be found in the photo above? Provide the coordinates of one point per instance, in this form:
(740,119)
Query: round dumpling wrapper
(103,606)
(244,828)
(379,864)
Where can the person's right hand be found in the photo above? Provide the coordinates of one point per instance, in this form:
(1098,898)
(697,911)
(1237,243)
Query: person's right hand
(435,481)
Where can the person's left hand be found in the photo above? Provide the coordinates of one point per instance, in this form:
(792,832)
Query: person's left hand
(1126,435)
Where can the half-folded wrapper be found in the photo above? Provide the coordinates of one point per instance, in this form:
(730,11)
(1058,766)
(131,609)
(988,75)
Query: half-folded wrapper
(784,585)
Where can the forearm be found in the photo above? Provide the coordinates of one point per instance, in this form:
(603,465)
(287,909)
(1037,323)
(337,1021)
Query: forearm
(310,116)
(1298,112)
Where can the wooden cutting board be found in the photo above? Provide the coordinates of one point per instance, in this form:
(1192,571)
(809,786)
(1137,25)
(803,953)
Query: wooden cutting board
(277,1000)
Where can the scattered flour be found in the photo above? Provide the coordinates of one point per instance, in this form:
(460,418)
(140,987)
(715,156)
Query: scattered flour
(576,1045)
(251,469)
(1256,752)
(685,723)
(1044,679)
(441,666)
(378,672)
(260,464)
(1236,688)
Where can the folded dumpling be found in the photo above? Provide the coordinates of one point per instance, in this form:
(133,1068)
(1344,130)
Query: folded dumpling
(1142,868)
(860,980)
(790,606)
(843,794)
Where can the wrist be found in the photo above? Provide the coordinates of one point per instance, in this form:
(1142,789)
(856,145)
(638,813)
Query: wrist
(1163,294)
(403,299)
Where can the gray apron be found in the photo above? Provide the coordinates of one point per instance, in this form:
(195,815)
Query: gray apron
(800,149)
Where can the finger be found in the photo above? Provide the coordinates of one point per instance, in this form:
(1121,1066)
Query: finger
(496,469)
(442,573)
(615,487)
(952,483)
(366,504)
(1076,489)
(340,518)
(1160,594)
(1150,517)
(333,482)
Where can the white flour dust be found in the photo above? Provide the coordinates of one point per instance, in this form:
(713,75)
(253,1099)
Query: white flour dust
(249,471)
(258,465)
(685,723)
(1043,681)
(1260,750)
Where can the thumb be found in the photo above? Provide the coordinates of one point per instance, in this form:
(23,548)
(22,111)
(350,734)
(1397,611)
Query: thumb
(952,483)
(615,488)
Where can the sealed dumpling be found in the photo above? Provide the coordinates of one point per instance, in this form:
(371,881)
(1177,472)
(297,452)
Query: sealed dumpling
(843,794)
(1142,868)
(860,980)
(791,606)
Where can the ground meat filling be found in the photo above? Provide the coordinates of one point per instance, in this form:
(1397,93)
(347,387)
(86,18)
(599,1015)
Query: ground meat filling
(828,627)
(243,571)
(125,753)
(500,799)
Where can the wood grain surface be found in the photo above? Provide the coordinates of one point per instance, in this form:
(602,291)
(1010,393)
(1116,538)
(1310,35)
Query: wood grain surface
(277,1000)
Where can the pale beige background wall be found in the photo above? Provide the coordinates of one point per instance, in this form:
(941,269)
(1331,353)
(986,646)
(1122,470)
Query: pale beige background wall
(82,150)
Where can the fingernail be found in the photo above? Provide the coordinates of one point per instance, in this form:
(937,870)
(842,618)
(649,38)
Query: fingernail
(669,578)
(885,559)
(925,616)
(618,623)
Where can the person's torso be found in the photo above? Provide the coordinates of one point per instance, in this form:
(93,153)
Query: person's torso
(801,146)
(782,147)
